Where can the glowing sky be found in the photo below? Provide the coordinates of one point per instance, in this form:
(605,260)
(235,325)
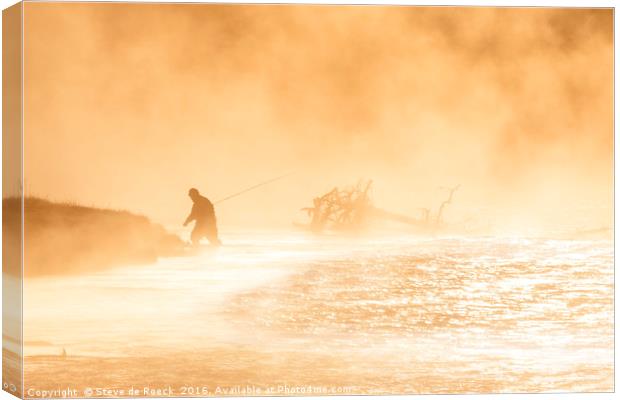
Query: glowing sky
(129,105)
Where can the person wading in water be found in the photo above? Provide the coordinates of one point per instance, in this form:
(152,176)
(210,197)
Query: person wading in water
(204,215)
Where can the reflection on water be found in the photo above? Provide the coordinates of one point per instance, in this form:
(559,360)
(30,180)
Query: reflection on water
(382,315)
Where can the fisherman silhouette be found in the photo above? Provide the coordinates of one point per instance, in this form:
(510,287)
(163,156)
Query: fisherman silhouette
(204,215)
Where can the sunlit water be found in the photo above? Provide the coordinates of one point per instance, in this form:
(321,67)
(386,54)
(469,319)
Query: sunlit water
(380,315)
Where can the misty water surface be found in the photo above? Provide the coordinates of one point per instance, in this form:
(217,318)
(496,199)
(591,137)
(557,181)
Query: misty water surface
(382,315)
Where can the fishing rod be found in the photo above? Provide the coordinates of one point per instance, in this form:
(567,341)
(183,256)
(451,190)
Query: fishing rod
(253,187)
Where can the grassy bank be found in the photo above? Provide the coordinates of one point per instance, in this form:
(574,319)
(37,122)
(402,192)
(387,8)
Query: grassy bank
(62,238)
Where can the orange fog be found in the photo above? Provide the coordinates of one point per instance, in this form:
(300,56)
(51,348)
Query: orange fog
(129,105)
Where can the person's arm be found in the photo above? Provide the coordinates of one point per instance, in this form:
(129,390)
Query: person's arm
(191,216)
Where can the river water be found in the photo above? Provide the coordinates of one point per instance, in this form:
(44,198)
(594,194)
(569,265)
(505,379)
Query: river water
(294,314)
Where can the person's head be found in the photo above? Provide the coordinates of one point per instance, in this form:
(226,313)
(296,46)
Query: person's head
(193,193)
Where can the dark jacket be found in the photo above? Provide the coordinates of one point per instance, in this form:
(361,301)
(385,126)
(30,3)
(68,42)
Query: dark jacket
(202,211)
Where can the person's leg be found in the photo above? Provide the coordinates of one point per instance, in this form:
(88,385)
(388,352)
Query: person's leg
(196,235)
(211,234)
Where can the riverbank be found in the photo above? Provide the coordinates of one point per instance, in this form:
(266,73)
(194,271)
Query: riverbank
(65,238)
